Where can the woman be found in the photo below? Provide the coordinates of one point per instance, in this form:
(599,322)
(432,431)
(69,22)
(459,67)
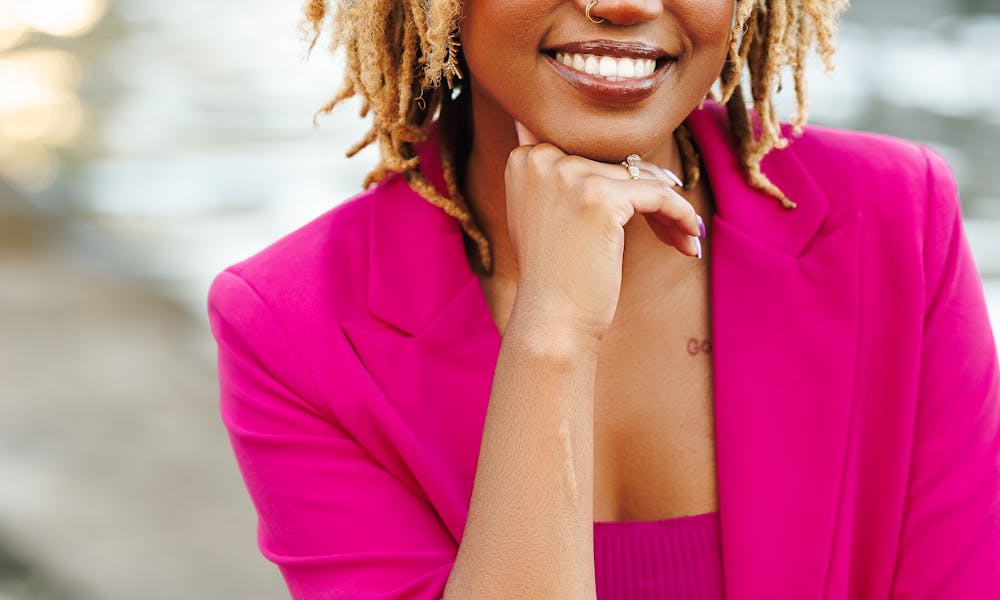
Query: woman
(639,344)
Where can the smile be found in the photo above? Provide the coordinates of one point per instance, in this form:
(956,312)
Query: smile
(611,71)
(609,67)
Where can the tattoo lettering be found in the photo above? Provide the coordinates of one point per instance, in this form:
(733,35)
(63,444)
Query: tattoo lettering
(696,346)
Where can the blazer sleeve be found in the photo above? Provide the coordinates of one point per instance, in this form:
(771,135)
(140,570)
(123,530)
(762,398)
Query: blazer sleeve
(950,542)
(335,522)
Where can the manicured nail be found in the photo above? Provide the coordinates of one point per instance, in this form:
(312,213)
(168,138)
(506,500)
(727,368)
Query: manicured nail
(701,226)
(697,245)
(673,177)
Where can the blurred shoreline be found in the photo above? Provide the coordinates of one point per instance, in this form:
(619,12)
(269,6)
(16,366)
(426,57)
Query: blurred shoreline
(118,479)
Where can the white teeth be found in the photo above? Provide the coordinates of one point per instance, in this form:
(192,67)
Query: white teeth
(626,68)
(609,67)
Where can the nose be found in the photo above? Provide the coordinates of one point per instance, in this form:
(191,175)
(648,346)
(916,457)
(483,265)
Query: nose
(622,12)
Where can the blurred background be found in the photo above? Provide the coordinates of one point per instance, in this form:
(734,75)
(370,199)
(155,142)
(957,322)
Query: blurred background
(145,145)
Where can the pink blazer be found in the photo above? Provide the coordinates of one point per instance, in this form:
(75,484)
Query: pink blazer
(857,392)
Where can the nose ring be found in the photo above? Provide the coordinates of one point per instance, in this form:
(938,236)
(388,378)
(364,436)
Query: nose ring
(591,5)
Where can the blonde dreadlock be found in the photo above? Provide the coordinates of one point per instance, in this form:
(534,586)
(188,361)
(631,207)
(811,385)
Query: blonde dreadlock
(400,52)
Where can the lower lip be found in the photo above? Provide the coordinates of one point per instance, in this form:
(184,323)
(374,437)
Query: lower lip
(604,90)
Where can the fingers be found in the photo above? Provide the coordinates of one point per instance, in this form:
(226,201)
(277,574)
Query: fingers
(524,136)
(658,198)
(670,215)
(661,173)
(671,178)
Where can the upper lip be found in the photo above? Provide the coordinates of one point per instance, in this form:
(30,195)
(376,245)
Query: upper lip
(613,48)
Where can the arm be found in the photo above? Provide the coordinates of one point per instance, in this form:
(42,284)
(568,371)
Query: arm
(336,523)
(339,525)
(950,543)
(530,529)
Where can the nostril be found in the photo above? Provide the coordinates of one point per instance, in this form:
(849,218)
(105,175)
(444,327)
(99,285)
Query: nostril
(622,12)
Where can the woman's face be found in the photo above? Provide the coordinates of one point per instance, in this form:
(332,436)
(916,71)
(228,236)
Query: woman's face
(605,103)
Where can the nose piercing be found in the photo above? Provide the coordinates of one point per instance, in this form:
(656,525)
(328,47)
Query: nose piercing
(591,5)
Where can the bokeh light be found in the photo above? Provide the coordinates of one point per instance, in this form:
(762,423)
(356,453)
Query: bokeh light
(40,109)
(56,17)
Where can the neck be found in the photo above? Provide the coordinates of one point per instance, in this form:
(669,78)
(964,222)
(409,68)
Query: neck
(493,140)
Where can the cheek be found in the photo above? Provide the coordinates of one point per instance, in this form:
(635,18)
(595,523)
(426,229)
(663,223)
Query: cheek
(707,23)
(499,28)
(495,37)
(499,40)
(707,26)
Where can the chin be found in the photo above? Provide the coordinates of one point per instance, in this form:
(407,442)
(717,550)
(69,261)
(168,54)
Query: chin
(612,148)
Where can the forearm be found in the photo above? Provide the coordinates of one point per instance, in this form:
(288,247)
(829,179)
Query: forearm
(529,532)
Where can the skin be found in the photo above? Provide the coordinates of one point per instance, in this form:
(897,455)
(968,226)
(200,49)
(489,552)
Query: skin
(597,409)
(510,79)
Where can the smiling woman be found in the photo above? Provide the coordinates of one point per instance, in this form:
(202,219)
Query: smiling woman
(595,331)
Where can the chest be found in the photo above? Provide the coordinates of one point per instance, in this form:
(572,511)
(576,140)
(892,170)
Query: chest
(654,448)
(654,443)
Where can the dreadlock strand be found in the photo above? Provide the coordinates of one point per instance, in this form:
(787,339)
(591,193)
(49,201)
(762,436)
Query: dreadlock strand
(403,57)
(689,156)
(739,46)
(799,70)
(467,219)
(315,13)
(363,143)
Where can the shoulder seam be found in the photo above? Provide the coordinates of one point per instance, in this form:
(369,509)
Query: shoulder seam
(933,298)
(288,339)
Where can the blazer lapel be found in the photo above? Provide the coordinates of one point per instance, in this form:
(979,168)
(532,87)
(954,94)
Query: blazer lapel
(785,291)
(785,301)
(430,345)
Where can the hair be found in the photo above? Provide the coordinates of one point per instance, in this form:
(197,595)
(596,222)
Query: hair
(403,58)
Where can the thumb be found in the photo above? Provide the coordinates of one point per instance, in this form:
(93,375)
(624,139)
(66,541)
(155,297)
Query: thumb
(524,136)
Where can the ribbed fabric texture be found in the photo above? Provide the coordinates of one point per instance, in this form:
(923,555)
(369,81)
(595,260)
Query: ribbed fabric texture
(676,559)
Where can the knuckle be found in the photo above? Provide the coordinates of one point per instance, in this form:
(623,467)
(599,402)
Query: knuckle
(517,156)
(543,151)
(663,189)
(572,161)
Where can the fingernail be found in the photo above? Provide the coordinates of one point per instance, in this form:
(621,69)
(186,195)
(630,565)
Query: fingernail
(673,177)
(701,226)
(697,245)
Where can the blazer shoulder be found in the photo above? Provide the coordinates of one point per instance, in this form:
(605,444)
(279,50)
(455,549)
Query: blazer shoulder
(893,181)
(321,266)
(870,158)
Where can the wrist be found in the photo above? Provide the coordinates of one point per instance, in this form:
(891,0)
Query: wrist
(544,330)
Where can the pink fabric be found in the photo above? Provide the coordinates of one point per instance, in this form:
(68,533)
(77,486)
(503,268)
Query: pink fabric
(678,558)
(856,383)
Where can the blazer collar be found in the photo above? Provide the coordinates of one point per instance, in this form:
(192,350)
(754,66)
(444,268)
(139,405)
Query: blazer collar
(417,261)
(785,299)
(749,209)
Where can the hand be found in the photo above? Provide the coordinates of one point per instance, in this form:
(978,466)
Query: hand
(566,217)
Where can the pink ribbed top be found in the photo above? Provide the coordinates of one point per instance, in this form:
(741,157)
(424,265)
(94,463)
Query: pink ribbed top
(678,559)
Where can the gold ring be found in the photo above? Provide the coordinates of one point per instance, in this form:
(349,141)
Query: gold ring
(591,5)
(631,164)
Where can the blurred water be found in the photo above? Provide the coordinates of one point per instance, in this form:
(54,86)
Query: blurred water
(201,148)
